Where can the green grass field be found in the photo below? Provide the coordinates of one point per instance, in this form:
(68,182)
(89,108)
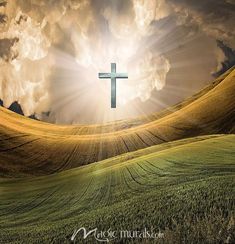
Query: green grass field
(184,188)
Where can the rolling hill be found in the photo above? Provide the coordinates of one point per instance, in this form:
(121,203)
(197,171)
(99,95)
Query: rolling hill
(183,189)
(172,173)
(29,147)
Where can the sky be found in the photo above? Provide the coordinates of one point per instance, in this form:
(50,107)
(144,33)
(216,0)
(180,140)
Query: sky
(52,51)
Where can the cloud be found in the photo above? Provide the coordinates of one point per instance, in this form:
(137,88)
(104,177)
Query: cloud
(24,71)
(226,57)
(35,26)
(6,49)
(215,18)
(52,51)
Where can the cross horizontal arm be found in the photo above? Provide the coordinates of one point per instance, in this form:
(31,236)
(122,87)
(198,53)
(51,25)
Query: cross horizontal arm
(105,75)
(121,75)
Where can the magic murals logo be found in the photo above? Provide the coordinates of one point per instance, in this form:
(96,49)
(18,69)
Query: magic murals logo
(110,235)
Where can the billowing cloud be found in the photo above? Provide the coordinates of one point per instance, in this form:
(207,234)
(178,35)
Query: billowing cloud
(95,40)
(215,18)
(50,53)
(24,71)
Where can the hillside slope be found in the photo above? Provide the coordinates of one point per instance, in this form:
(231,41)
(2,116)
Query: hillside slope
(30,147)
(183,189)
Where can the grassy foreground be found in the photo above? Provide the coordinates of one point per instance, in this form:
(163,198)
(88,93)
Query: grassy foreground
(183,188)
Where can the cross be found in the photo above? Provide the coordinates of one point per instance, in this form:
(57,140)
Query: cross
(113,76)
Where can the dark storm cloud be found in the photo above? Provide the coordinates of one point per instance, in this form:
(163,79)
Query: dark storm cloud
(229,61)
(215,17)
(3,18)
(6,52)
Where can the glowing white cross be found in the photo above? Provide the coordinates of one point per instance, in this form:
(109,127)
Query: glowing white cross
(113,76)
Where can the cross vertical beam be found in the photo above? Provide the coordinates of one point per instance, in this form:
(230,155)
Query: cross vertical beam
(113,76)
(113,86)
